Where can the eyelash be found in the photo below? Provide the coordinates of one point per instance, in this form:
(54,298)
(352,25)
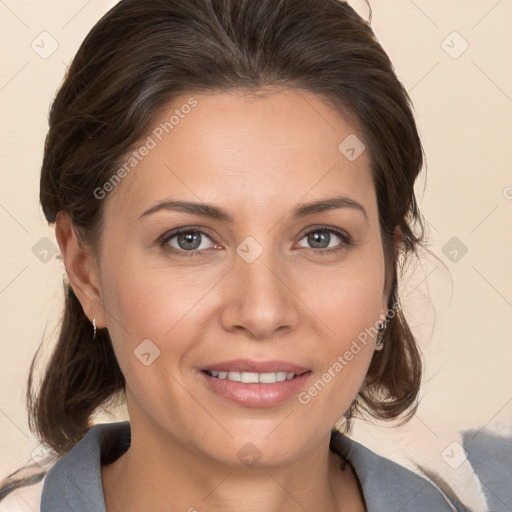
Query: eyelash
(164,240)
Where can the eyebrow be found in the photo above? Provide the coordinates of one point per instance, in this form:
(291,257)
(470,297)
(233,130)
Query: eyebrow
(214,212)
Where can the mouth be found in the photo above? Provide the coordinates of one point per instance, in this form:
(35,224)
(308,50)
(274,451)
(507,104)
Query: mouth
(253,383)
(254,377)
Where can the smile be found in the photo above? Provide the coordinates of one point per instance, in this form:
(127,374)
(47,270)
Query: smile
(253,377)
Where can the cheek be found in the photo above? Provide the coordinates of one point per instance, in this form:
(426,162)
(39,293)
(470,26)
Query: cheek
(147,300)
(348,305)
(152,302)
(346,298)
(345,354)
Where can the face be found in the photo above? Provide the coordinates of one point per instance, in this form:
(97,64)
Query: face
(268,282)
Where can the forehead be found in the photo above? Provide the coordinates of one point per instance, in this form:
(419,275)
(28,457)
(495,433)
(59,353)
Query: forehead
(248,152)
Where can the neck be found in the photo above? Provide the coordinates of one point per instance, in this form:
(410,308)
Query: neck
(158,472)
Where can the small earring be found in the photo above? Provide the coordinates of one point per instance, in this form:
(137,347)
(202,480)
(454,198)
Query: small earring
(380,337)
(94,327)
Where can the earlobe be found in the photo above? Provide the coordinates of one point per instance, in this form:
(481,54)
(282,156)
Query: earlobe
(81,268)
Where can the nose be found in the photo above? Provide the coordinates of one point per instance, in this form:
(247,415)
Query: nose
(259,297)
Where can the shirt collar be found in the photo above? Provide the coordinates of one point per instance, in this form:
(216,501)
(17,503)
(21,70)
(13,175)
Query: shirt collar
(74,483)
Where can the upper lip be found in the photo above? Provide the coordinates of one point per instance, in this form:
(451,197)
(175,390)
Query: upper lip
(249,365)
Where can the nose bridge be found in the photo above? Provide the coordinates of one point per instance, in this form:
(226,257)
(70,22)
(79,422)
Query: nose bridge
(262,298)
(257,266)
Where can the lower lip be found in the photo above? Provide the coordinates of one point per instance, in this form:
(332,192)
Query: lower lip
(256,395)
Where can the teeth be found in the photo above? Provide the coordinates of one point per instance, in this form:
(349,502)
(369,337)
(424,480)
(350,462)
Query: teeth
(253,377)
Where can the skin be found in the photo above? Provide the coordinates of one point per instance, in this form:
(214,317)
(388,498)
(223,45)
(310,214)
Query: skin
(256,157)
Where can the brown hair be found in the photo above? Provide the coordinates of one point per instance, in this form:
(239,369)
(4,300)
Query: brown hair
(138,57)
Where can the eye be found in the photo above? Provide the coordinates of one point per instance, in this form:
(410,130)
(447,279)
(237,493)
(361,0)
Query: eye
(189,242)
(320,238)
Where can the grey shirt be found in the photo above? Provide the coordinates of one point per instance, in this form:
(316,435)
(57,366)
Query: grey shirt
(73,483)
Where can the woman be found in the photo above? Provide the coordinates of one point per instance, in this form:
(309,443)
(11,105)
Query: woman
(231,183)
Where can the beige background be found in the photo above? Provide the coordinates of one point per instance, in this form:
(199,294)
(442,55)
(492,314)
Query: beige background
(460,307)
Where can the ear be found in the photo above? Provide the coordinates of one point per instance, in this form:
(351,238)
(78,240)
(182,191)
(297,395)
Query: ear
(81,268)
(397,240)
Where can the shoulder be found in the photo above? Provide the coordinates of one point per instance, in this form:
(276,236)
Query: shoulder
(74,481)
(386,485)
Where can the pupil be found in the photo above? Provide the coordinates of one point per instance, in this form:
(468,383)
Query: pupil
(318,237)
(185,239)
